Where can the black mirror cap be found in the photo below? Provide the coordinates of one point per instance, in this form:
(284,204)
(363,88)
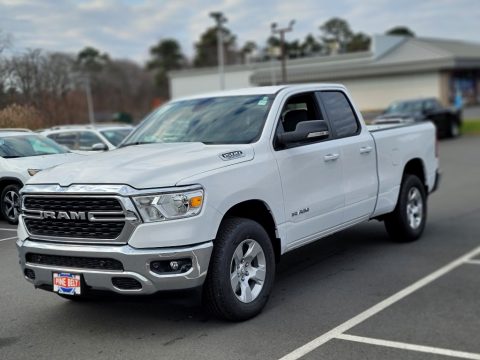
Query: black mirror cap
(304,132)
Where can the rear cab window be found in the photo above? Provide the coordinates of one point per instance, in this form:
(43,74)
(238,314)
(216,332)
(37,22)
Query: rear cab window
(340,113)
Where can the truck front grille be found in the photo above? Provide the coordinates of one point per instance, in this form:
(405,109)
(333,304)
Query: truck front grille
(74,228)
(56,217)
(74,262)
(72,203)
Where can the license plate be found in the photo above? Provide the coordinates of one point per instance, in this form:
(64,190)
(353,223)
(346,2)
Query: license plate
(67,284)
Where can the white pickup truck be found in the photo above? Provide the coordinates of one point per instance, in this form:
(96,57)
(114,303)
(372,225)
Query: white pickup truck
(211,191)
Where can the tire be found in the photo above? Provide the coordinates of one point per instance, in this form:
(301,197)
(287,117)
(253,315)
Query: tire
(407,222)
(453,129)
(8,203)
(232,267)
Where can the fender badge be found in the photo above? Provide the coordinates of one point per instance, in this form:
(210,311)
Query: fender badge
(231,155)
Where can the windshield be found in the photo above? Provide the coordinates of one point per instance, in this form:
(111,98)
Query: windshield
(28,145)
(219,120)
(115,136)
(401,107)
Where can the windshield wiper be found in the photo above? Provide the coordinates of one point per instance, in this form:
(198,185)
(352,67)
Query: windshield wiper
(137,143)
(12,156)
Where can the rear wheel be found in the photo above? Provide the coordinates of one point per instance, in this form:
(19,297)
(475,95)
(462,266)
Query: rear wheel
(9,203)
(453,129)
(241,271)
(407,222)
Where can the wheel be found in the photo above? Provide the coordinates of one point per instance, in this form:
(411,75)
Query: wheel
(9,202)
(241,271)
(407,222)
(453,129)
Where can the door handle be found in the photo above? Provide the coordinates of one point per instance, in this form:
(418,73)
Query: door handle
(331,157)
(365,149)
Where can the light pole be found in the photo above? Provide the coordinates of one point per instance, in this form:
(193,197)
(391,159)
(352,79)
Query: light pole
(84,80)
(88,93)
(282,31)
(273,77)
(220,19)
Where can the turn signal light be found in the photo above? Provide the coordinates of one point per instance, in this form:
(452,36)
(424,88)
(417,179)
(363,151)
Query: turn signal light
(196,201)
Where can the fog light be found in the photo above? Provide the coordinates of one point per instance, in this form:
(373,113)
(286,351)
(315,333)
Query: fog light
(177,266)
(29,273)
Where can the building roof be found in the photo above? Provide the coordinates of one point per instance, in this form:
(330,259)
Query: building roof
(388,55)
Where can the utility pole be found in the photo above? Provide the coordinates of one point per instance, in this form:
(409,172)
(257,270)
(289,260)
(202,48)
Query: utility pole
(282,31)
(220,19)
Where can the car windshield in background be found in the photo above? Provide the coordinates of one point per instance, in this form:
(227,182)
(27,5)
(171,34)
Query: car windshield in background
(116,136)
(28,145)
(402,107)
(216,120)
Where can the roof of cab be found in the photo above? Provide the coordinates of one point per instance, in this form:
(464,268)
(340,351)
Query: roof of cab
(263,90)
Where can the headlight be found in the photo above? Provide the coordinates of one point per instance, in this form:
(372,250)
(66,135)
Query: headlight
(160,207)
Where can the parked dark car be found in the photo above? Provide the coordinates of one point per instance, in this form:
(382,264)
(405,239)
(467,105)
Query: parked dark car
(447,121)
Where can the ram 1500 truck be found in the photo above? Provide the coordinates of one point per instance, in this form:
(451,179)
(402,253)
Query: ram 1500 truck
(211,190)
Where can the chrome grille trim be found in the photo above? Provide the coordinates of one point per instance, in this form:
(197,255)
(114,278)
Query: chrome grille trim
(128,215)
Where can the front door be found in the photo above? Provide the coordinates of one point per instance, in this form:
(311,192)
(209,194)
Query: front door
(311,175)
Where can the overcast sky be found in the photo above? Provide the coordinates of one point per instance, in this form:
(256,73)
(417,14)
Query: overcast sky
(127,28)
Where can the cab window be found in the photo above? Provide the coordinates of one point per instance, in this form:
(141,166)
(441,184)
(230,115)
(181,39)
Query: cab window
(340,113)
(87,139)
(298,108)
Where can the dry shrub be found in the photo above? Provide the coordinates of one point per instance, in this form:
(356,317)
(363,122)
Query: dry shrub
(21,116)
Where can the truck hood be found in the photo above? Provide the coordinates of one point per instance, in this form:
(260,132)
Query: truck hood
(146,166)
(43,161)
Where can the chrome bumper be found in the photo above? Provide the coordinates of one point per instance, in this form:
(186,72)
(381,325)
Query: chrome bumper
(136,265)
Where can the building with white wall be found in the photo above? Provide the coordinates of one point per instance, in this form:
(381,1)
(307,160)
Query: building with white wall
(395,68)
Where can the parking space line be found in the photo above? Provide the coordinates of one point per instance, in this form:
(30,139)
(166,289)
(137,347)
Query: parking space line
(347,325)
(412,347)
(9,238)
(8,229)
(473,262)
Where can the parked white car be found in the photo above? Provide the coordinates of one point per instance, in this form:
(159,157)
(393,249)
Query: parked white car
(22,155)
(211,191)
(89,138)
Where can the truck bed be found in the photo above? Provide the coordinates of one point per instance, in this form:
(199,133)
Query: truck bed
(395,145)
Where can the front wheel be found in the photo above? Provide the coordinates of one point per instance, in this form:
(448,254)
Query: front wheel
(407,222)
(241,271)
(9,203)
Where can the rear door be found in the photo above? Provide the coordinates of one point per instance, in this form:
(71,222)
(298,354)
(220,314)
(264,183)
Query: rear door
(311,175)
(358,155)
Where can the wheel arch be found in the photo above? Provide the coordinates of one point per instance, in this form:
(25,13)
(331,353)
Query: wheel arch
(4,181)
(416,167)
(259,211)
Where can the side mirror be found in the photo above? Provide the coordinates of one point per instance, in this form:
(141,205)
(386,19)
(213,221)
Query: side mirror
(305,131)
(99,147)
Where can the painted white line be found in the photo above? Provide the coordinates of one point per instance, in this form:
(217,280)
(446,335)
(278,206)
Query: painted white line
(412,347)
(347,325)
(9,238)
(473,262)
(8,229)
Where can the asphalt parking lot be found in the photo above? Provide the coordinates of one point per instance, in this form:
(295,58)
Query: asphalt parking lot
(354,295)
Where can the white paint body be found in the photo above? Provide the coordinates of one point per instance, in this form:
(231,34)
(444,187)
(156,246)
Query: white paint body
(354,188)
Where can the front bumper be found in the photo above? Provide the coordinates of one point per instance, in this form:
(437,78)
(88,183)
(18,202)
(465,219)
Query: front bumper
(136,265)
